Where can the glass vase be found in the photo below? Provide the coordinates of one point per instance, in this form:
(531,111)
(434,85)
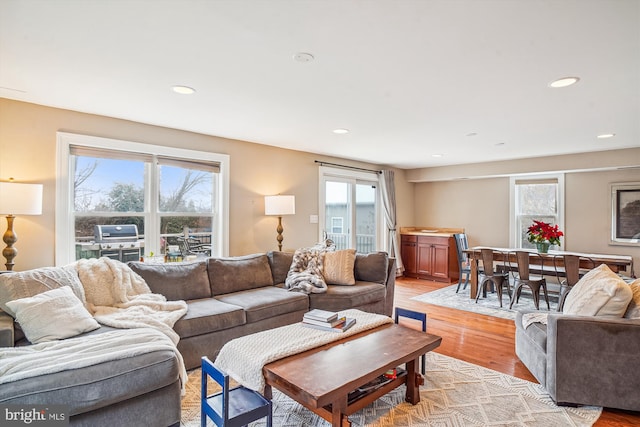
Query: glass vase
(543,247)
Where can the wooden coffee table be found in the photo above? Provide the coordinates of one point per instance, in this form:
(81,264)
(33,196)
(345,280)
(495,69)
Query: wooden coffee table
(324,379)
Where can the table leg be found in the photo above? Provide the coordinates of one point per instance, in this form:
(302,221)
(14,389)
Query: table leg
(338,419)
(268,392)
(474,278)
(413,387)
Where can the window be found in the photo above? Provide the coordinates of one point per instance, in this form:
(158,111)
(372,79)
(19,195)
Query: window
(336,225)
(168,193)
(539,198)
(349,209)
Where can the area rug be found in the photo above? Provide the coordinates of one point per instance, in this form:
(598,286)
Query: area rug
(455,393)
(447,297)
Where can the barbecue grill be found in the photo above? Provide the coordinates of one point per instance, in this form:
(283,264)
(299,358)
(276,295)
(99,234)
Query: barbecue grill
(119,241)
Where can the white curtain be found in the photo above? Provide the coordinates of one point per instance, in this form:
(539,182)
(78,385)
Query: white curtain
(388,190)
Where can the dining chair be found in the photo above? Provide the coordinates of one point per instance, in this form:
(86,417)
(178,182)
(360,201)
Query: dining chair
(464,264)
(415,315)
(525,278)
(497,278)
(233,407)
(571,269)
(193,246)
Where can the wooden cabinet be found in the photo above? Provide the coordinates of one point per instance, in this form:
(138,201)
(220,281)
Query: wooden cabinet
(429,257)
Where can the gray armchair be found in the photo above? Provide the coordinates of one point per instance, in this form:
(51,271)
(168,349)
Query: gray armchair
(584,360)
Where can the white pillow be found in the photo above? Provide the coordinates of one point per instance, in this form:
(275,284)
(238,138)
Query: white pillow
(52,315)
(600,292)
(338,267)
(633,309)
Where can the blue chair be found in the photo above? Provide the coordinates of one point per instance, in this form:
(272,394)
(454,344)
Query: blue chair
(415,315)
(234,407)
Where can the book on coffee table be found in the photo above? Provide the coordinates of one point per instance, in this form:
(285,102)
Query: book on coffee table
(331,324)
(340,327)
(321,315)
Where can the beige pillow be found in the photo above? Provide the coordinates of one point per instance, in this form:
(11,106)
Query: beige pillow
(600,292)
(338,267)
(17,285)
(52,315)
(633,309)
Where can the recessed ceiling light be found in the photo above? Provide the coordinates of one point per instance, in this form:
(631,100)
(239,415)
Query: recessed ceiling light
(606,135)
(437,155)
(303,57)
(564,82)
(341,131)
(472,134)
(183,90)
(499,144)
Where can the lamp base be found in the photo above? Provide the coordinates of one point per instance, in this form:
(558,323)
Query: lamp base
(9,238)
(280,230)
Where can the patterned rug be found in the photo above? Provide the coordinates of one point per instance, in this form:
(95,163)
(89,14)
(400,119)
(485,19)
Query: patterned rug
(455,394)
(447,297)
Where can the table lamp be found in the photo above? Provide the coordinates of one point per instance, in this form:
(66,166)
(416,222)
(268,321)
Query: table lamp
(17,199)
(279,205)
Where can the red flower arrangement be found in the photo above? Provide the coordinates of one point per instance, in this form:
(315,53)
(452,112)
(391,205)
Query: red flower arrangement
(541,232)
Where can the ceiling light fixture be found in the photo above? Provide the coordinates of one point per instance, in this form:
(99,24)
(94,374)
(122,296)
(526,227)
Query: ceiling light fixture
(472,134)
(606,135)
(341,131)
(303,57)
(437,155)
(183,90)
(564,82)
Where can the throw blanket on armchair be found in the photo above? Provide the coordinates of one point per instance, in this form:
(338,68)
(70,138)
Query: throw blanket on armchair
(305,274)
(120,298)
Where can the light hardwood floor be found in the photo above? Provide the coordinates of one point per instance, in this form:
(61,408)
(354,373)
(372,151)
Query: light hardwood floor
(483,340)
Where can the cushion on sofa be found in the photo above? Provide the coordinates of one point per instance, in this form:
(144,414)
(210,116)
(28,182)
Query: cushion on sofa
(338,267)
(264,303)
(344,297)
(633,309)
(17,285)
(208,315)
(233,274)
(52,315)
(600,292)
(372,267)
(280,262)
(176,281)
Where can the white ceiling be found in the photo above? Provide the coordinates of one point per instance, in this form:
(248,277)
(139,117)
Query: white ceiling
(408,78)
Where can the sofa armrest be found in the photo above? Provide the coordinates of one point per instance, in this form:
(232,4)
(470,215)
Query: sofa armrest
(391,287)
(593,360)
(6,330)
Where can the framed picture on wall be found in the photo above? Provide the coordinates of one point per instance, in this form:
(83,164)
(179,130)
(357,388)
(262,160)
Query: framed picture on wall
(625,213)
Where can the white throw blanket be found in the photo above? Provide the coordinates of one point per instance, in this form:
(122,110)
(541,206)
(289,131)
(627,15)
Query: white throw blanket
(529,318)
(17,363)
(243,358)
(120,298)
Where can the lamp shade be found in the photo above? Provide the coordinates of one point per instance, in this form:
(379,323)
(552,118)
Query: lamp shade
(279,205)
(20,199)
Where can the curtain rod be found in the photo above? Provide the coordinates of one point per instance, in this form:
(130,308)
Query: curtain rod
(346,167)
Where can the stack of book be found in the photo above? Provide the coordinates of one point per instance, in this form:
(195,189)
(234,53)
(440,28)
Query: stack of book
(327,321)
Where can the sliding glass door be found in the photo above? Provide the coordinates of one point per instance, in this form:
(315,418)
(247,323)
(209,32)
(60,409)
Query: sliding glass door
(350,206)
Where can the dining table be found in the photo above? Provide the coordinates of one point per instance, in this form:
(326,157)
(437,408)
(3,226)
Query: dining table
(551,262)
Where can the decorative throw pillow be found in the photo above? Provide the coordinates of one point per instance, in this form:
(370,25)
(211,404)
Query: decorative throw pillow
(338,267)
(52,315)
(633,309)
(600,292)
(17,285)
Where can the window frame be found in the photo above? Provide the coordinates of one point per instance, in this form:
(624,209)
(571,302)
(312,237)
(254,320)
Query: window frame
(514,241)
(64,217)
(352,177)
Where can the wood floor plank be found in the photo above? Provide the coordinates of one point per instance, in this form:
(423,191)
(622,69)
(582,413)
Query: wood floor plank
(483,340)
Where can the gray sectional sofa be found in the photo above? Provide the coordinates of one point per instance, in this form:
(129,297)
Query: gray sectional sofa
(227,298)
